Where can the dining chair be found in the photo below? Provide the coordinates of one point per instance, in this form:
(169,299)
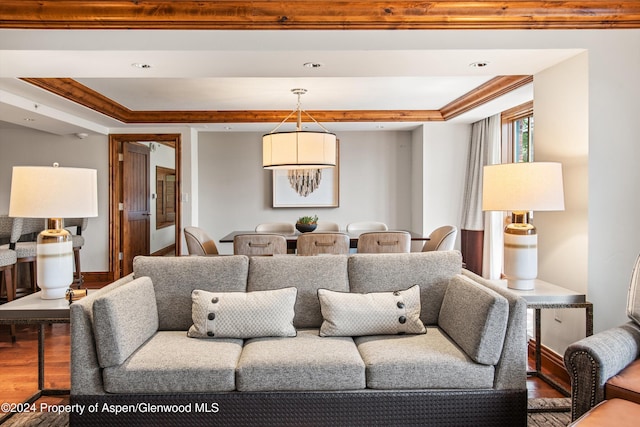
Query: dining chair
(199,242)
(441,239)
(326,226)
(378,242)
(8,260)
(259,244)
(323,243)
(366,226)
(276,227)
(26,250)
(77,240)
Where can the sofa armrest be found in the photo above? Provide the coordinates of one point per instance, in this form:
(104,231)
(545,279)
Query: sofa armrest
(593,360)
(86,375)
(123,320)
(475,318)
(511,369)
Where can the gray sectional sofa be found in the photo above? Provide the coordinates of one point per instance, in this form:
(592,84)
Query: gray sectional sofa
(232,340)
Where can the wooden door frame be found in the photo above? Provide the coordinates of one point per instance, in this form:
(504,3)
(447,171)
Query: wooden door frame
(115,190)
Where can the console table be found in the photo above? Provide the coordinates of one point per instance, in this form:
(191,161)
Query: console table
(33,310)
(546,295)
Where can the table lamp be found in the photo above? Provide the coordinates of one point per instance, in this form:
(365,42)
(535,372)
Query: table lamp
(53,193)
(522,188)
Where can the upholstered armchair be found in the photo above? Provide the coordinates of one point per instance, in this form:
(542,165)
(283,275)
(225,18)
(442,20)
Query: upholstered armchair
(77,240)
(199,242)
(607,365)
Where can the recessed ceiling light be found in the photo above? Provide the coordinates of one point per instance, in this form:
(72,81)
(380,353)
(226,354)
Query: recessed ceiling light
(141,65)
(228,128)
(479,64)
(312,65)
(379,126)
(29,119)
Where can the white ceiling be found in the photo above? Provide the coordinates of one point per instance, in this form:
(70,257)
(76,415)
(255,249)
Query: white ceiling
(250,70)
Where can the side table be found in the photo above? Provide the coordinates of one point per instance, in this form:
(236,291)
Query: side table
(546,295)
(33,310)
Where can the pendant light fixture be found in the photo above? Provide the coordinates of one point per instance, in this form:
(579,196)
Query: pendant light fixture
(298,149)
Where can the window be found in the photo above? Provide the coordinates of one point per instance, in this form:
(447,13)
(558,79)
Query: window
(517,134)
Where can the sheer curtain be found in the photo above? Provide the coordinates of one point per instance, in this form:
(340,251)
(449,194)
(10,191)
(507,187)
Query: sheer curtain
(482,231)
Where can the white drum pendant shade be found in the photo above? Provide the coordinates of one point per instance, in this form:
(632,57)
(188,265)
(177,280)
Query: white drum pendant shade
(299,150)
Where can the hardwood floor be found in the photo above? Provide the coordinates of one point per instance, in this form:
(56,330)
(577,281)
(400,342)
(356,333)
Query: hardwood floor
(19,365)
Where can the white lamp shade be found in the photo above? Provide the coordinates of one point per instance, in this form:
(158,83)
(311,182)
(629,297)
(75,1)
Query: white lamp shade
(298,150)
(53,192)
(534,186)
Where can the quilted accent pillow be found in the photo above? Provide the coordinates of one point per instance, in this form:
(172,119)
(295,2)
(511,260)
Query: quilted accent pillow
(243,314)
(633,300)
(376,313)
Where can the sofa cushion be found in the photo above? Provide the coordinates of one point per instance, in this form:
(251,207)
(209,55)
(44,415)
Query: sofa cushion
(174,278)
(625,384)
(308,274)
(476,318)
(377,313)
(170,362)
(243,314)
(304,363)
(388,272)
(431,360)
(633,299)
(124,319)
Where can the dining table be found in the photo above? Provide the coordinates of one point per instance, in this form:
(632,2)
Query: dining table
(292,239)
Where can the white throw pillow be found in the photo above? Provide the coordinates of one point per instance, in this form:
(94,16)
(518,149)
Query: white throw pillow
(376,313)
(243,314)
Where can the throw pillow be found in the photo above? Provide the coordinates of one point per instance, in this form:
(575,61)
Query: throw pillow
(243,314)
(376,313)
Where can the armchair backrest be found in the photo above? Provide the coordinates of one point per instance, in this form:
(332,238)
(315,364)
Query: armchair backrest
(384,242)
(259,244)
(441,239)
(323,243)
(633,299)
(199,242)
(276,227)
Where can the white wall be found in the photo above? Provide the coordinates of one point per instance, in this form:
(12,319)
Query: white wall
(561,110)
(27,147)
(235,192)
(446,149)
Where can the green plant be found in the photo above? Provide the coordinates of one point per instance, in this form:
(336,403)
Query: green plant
(308,219)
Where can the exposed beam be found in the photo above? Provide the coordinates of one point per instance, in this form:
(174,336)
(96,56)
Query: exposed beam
(489,91)
(317,14)
(81,94)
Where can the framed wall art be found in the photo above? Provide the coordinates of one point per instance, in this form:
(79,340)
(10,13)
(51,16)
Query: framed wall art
(318,188)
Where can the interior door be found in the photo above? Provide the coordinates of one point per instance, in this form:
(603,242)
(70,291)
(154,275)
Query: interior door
(136,203)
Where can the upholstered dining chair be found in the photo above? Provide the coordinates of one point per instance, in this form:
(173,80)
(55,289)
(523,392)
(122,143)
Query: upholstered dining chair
(77,240)
(8,260)
(199,242)
(25,251)
(259,244)
(324,226)
(366,226)
(323,243)
(384,242)
(441,239)
(276,227)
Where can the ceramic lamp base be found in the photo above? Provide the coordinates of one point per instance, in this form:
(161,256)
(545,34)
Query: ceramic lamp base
(54,253)
(521,260)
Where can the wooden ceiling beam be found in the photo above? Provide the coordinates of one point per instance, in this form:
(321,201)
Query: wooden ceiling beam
(487,92)
(317,14)
(81,94)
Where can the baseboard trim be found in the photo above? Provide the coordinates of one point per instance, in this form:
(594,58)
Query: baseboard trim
(552,363)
